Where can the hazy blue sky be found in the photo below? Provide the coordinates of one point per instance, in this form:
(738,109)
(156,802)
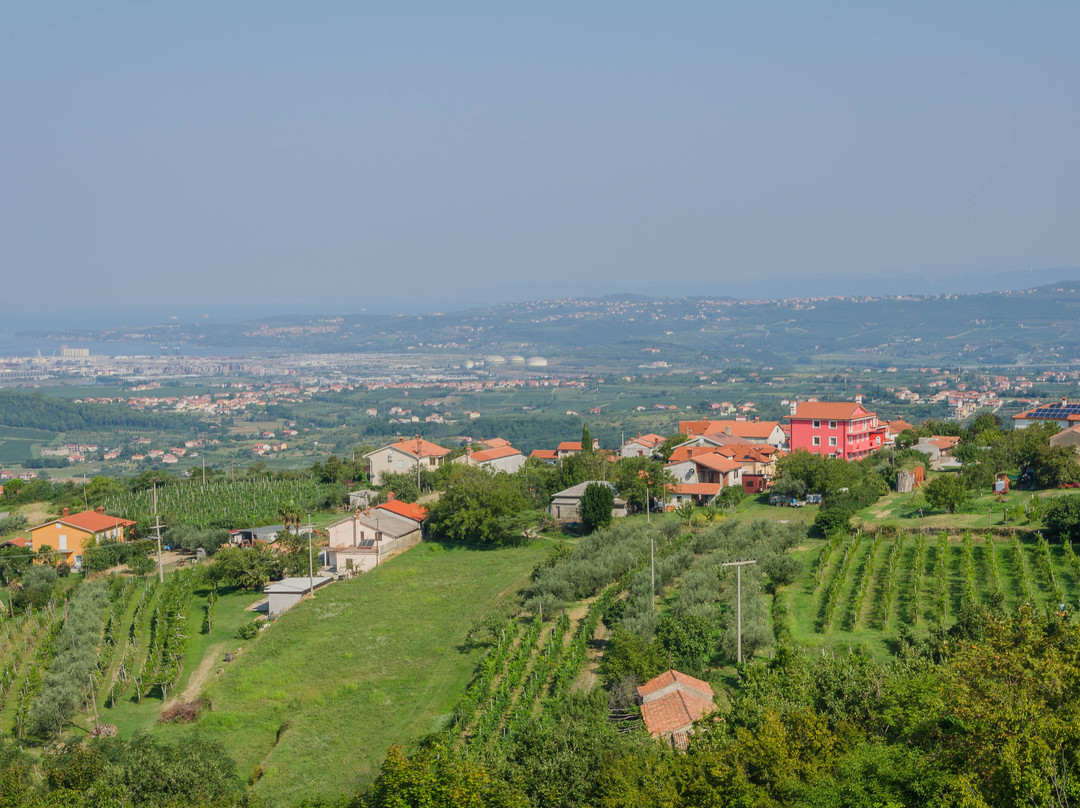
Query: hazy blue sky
(409,156)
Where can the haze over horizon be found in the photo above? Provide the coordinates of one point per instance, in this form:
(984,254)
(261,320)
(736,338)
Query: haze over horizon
(278,158)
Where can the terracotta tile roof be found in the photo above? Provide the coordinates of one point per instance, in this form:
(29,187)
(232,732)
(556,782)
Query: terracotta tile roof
(758,430)
(91,521)
(830,410)
(570,446)
(899,425)
(418,447)
(685,452)
(18,541)
(495,443)
(672,677)
(687,700)
(494,454)
(407,509)
(544,454)
(697,489)
(716,462)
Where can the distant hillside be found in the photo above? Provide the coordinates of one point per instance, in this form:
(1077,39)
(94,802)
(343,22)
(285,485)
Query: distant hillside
(1030,327)
(36,411)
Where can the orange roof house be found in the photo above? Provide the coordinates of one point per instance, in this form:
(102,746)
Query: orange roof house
(72,534)
(671,703)
(749,431)
(405,456)
(410,510)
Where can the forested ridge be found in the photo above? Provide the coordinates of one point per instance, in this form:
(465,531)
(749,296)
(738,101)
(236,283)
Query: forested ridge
(38,411)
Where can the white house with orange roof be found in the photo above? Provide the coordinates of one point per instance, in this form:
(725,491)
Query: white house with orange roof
(642,445)
(405,456)
(500,458)
(702,473)
(749,431)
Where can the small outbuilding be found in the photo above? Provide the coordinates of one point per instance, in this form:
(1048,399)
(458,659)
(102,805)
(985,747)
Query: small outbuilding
(286,593)
(565,506)
(671,703)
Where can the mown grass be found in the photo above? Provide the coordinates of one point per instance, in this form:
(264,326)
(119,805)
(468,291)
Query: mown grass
(984,510)
(311,707)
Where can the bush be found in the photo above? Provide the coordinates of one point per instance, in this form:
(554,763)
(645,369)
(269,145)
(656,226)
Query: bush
(248,631)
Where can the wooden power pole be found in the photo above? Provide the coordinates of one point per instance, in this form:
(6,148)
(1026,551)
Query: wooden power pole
(738,565)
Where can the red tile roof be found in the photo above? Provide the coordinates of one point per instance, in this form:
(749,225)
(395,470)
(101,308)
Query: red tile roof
(418,447)
(495,443)
(494,454)
(92,521)
(759,430)
(407,509)
(830,410)
(716,462)
(899,425)
(18,541)
(570,446)
(688,700)
(544,454)
(697,489)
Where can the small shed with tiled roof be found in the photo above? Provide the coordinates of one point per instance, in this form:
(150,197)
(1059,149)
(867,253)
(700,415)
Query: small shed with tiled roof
(671,703)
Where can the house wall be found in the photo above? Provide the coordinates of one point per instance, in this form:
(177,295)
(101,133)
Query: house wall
(852,440)
(509,464)
(66,540)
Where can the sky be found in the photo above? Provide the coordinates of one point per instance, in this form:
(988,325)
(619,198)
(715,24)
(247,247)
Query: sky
(335,157)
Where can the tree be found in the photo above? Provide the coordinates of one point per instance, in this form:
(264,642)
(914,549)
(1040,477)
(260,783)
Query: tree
(946,492)
(436,777)
(685,510)
(688,639)
(479,505)
(586,440)
(638,477)
(596,506)
(1062,518)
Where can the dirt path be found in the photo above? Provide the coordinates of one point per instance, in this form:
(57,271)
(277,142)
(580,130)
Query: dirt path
(589,676)
(199,676)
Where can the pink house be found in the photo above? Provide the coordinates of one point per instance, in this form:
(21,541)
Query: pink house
(843,429)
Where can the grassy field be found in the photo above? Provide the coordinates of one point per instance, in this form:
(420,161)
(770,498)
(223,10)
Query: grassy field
(984,510)
(311,707)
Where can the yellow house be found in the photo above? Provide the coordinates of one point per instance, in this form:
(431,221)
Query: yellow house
(71,534)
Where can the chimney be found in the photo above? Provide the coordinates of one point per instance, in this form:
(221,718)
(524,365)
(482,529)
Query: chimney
(858,399)
(64,512)
(1064,401)
(389,496)
(101,509)
(794,406)
(727,430)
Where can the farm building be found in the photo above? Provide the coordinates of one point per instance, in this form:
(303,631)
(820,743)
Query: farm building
(565,506)
(286,593)
(365,539)
(671,703)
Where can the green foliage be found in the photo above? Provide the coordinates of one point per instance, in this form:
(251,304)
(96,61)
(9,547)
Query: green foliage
(192,538)
(252,567)
(1062,518)
(436,777)
(68,681)
(631,655)
(596,506)
(689,641)
(479,505)
(13,523)
(248,631)
(223,503)
(946,492)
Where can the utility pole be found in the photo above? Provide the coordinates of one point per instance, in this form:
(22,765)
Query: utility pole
(157,533)
(652,568)
(310,560)
(738,565)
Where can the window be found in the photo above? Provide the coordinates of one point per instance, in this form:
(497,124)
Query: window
(832,424)
(816,440)
(817,424)
(832,441)
(401,464)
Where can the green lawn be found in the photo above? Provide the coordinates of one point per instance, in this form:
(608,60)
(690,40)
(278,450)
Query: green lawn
(984,510)
(314,703)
